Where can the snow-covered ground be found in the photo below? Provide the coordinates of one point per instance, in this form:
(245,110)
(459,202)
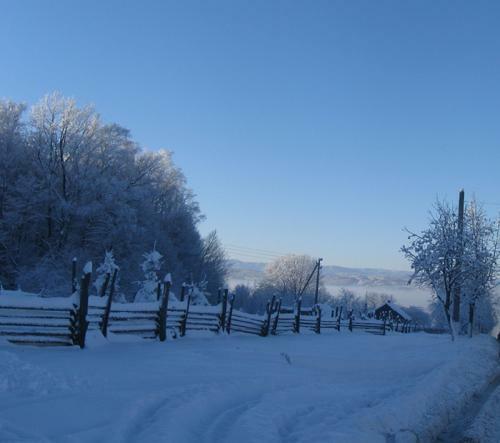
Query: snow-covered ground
(486,426)
(336,387)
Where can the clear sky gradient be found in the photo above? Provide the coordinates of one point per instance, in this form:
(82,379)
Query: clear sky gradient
(320,127)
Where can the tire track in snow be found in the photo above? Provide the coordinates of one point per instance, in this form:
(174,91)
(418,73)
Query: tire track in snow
(201,413)
(195,413)
(223,422)
(148,410)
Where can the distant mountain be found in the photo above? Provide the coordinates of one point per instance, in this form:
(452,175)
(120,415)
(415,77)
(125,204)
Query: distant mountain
(359,280)
(332,275)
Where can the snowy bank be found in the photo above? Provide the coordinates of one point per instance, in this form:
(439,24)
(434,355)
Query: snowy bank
(486,426)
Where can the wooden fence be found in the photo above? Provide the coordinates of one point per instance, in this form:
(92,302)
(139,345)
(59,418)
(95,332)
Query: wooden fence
(66,321)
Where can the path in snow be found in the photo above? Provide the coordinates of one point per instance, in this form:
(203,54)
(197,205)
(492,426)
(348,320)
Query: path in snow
(337,387)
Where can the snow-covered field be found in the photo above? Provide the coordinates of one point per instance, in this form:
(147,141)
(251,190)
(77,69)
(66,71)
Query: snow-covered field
(336,387)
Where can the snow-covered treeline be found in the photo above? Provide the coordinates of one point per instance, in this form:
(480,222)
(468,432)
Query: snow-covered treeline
(72,185)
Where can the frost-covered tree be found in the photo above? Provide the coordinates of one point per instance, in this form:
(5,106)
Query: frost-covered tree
(481,264)
(71,185)
(13,161)
(288,275)
(150,267)
(444,259)
(434,255)
(213,266)
(349,302)
(243,299)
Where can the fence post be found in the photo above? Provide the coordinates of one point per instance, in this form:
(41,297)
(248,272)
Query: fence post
(104,286)
(339,318)
(276,319)
(264,324)
(230,314)
(269,312)
(296,324)
(317,329)
(222,323)
(107,310)
(158,291)
(185,319)
(73,275)
(83,305)
(350,322)
(183,291)
(162,313)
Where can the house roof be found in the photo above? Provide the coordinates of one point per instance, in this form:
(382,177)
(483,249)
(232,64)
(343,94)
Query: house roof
(400,311)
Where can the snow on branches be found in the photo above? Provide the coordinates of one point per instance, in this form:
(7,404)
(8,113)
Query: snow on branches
(444,258)
(105,273)
(150,267)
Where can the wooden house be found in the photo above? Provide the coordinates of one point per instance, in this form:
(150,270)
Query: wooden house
(392,312)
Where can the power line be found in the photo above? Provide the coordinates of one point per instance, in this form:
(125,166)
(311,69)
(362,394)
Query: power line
(265,251)
(249,256)
(253,251)
(259,251)
(483,202)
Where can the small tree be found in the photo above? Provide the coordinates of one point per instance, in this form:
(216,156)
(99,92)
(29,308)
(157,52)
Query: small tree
(198,295)
(349,301)
(148,287)
(105,272)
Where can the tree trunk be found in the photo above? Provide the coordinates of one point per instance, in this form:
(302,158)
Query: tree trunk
(446,306)
(49,222)
(450,323)
(471,318)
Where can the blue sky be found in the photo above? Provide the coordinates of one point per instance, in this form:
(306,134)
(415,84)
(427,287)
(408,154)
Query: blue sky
(319,127)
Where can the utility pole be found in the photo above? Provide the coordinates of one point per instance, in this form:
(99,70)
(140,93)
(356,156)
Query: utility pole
(308,280)
(318,267)
(457,289)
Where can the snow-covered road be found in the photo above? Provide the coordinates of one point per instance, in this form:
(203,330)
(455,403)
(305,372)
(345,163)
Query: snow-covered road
(334,387)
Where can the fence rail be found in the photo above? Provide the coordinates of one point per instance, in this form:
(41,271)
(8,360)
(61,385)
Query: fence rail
(65,321)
